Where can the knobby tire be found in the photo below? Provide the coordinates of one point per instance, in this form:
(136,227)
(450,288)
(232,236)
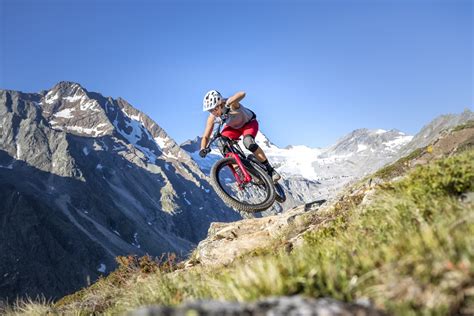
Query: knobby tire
(254,171)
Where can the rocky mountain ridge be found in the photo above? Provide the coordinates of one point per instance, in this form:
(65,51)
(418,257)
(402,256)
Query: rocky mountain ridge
(432,130)
(85,178)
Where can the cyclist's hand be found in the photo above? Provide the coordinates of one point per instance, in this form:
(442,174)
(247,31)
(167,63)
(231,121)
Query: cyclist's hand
(224,117)
(203,152)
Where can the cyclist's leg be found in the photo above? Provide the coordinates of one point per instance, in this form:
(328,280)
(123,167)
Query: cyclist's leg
(250,131)
(231,133)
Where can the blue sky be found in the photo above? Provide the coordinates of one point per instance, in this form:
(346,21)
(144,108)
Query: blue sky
(313,71)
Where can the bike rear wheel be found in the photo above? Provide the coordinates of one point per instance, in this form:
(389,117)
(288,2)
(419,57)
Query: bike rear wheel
(255,196)
(280,195)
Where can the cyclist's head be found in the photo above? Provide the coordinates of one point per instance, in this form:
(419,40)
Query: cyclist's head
(217,111)
(211,100)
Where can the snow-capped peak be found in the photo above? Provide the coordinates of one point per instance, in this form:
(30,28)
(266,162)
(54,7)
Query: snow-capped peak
(264,142)
(68,107)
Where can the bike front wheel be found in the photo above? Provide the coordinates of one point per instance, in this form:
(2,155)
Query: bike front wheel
(254,196)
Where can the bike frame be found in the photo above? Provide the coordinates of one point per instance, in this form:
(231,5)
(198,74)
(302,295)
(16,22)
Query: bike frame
(247,178)
(234,154)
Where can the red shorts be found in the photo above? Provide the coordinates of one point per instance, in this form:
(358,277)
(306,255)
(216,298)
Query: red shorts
(250,128)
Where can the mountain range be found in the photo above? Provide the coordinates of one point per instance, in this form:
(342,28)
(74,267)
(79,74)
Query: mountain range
(311,174)
(84,179)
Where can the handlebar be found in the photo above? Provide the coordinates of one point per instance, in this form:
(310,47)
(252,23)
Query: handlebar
(207,150)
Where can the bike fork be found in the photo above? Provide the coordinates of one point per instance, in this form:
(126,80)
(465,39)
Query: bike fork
(247,177)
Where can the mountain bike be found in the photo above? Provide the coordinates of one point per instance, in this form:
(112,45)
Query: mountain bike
(239,180)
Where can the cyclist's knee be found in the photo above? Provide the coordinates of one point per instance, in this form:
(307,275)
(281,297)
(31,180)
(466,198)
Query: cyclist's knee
(249,143)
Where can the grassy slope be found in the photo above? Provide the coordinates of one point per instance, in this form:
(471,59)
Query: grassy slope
(410,250)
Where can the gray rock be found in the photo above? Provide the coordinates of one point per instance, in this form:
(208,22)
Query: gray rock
(275,306)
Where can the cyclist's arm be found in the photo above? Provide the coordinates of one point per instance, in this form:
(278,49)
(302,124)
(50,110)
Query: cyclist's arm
(208,131)
(233,101)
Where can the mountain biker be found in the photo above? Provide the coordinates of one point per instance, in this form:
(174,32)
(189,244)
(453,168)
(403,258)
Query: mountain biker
(239,121)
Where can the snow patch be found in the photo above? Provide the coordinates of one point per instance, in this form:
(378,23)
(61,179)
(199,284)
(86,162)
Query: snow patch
(18,151)
(66,113)
(361,147)
(161,142)
(51,98)
(398,142)
(92,105)
(94,132)
(135,243)
(76,97)
(133,117)
(102,268)
(137,130)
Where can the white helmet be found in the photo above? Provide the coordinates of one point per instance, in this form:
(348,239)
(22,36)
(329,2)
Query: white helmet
(211,100)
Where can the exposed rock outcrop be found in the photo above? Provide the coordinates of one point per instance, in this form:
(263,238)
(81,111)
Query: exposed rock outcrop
(227,241)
